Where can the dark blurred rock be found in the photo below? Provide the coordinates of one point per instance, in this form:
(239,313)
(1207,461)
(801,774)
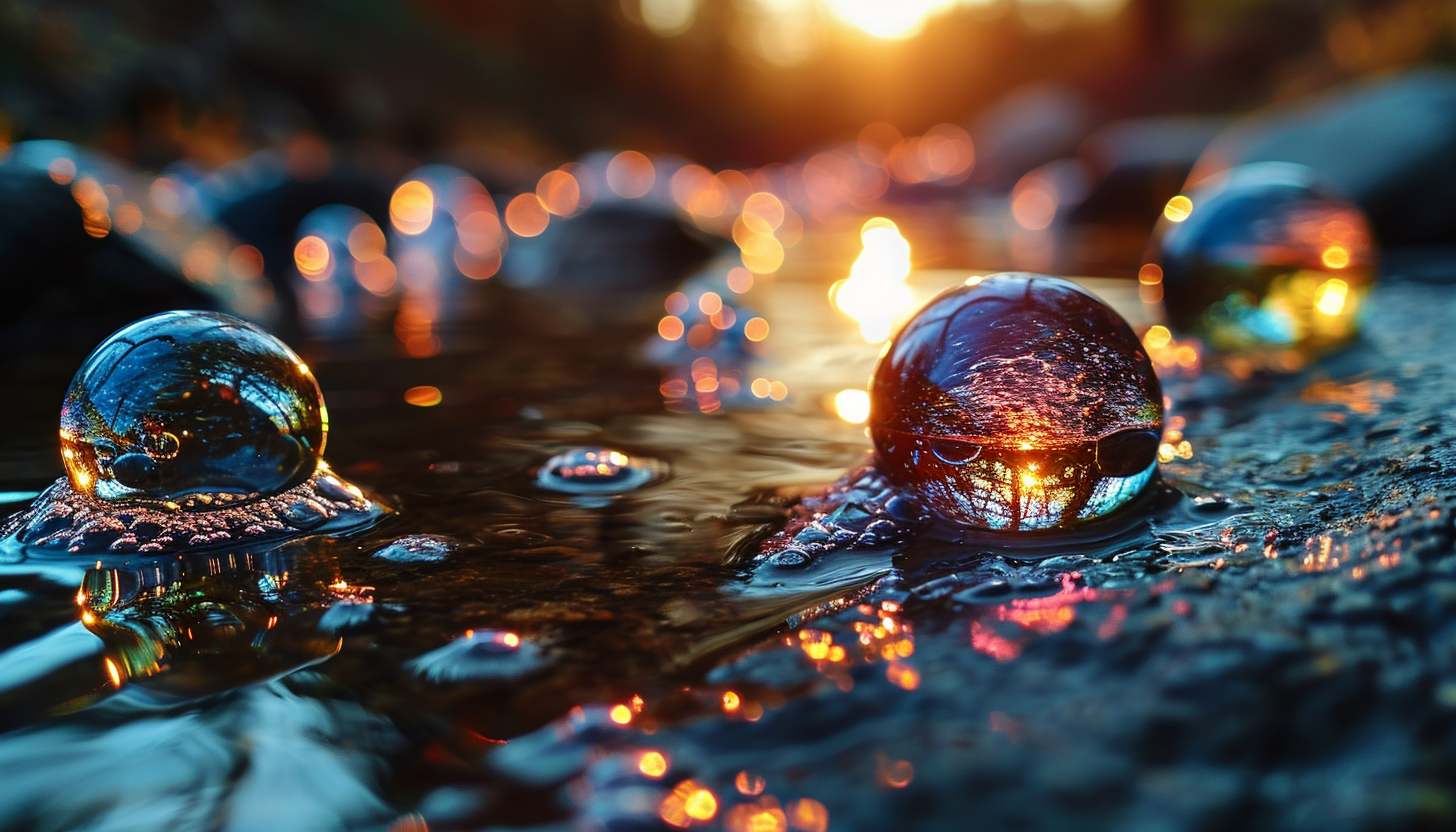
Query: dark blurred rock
(1138,164)
(1031,126)
(610,248)
(64,289)
(1390,145)
(269,216)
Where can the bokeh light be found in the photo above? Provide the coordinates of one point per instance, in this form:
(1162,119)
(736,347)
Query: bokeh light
(412,208)
(630,174)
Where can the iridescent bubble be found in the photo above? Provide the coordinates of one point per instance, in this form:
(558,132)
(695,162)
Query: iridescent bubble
(191,403)
(190,429)
(1016,402)
(1263,256)
(596,471)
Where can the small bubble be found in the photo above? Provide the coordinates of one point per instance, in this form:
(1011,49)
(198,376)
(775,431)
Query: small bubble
(594,470)
(417,548)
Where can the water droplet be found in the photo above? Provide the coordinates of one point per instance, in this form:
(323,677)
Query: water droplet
(188,403)
(417,548)
(186,430)
(1267,257)
(1019,403)
(593,470)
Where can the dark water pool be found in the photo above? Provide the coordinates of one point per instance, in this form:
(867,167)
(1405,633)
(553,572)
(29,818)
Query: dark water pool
(1268,640)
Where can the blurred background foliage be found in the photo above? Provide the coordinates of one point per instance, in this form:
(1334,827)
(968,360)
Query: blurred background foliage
(514,86)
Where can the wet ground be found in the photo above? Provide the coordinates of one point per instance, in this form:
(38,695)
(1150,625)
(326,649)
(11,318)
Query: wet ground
(1266,640)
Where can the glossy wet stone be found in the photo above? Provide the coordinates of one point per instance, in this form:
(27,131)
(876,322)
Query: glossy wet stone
(417,548)
(1387,140)
(480,655)
(66,289)
(190,429)
(1017,402)
(1263,257)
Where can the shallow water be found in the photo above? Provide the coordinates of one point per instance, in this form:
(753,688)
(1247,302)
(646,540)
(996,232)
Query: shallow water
(1263,640)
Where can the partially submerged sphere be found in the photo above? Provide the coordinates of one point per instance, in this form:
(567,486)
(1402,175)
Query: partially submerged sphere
(1264,256)
(1016,402)
(189,430)
(191,403)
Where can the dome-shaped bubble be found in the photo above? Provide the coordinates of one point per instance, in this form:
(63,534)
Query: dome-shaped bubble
(1016,402)
(184,406)
(1263,256)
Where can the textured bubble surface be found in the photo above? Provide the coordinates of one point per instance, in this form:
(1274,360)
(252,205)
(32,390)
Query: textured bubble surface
(1264,256)
(1016,402)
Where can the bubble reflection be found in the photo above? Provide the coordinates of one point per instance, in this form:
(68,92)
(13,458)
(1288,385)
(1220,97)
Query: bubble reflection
(203,623)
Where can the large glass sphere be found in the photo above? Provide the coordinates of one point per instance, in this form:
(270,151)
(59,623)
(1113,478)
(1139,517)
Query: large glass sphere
(191,405)
(1016,402)
(1263,256)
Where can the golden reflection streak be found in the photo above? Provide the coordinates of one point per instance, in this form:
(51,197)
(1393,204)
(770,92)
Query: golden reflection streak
(366,242)
(653,764)
(559,193)
(808,815)
(631,174)
(852,405)
(1335,257)
(423,396)
(895,20)
(526,216)
(874,294)
(688,802)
